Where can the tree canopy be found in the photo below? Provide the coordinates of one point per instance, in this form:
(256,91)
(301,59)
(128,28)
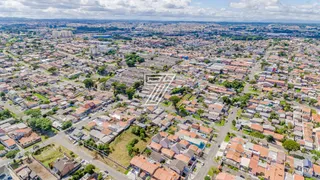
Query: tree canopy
(5,114)
(175,100)
(40,124)
(291,145)
(88,83)
(130,92)
(132,59)
(34,113)
(101,70)
(66,124)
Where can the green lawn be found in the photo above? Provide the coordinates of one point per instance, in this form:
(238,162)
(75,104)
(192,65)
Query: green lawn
(252,91)
(239,112)
(196,116)
(119,151)
(186,97)
(51,153)
(220,123)
(227,138)
(167,103)
(44,99)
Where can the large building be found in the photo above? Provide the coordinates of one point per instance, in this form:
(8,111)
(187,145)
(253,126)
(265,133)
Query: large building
(62,34)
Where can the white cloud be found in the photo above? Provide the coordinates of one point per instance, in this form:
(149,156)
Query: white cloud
(254,4)
(238,10)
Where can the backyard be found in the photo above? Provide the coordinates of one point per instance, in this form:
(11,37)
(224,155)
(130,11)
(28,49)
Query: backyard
(49,154)
(42,98)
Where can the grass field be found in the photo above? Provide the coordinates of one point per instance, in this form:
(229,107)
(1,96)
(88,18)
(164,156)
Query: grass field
(119,151)
(51,153)
(42,98)
(186,97)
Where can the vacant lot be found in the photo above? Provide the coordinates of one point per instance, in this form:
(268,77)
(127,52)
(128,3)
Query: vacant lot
(44,99)
(51,153)
(119,151)
(41,171)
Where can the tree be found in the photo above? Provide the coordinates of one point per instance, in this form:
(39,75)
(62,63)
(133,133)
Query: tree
(40,124)
(101,70)
(207,61)
(27,153)
(312,102)
(88,83)
(66,124)
(137,85)
(234,122)
(100,176)
(5,114)
(33,113)
(174,100)
(290,86)
(132,58)
(89,169)
(12,154)
(226,100)
(2,94)
(53,70)
(291,145)
(130,92)
(270,139)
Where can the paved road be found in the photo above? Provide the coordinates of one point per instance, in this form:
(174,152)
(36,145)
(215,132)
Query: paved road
(214,148)
(13,108)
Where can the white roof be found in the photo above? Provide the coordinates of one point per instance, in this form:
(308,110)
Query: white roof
(245,162)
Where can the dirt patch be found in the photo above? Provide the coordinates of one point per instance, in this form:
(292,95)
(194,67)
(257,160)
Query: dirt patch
(42,172)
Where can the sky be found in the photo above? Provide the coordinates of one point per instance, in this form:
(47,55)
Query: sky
(184,10)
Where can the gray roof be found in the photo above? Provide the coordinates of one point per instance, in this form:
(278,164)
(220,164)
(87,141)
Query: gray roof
(96,134)
(177,164)
(156,156)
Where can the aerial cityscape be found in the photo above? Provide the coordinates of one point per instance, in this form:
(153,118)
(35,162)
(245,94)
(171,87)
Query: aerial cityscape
(160,90)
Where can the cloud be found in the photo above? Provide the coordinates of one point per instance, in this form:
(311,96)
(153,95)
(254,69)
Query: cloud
(254,4)
(238,10)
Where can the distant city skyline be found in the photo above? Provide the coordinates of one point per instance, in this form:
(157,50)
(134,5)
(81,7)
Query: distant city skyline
(174,10)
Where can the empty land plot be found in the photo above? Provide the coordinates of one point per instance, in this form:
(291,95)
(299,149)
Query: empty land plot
(49,154)
(119,151)
(42,172)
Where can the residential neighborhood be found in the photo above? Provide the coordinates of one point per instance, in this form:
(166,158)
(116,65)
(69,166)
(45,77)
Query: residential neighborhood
(163,101)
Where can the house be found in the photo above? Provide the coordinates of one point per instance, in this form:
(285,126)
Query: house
(29,140)
(145,168)
(177,148)
(65,166)
(142,163)
(179,167)
(155,146)
(156,157)
(156,138)
(10,143)
(165,174)
(96,135)
(316,170)
(226,176)
(167,152)
(165,142)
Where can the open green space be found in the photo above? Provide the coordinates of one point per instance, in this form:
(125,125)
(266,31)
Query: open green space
(49,154)
(42,98)
(118,146)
